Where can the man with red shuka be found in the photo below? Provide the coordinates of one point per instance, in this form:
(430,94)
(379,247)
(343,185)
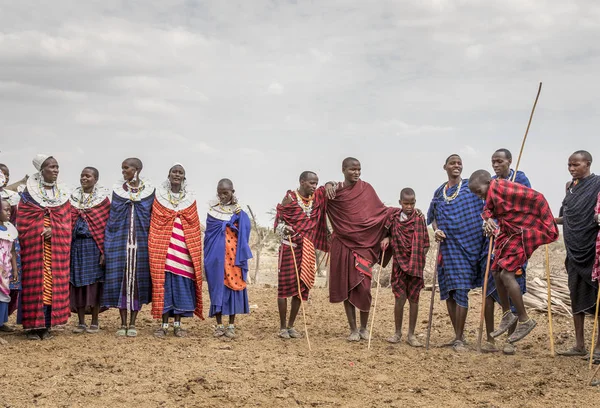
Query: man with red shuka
(302,225)
(525,222)
(359,221)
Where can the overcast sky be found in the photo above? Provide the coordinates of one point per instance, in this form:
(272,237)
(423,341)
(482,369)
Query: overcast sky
(258,91)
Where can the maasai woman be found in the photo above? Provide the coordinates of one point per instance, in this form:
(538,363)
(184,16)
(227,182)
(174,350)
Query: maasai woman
(175,247)
(8,260)
(127,279)
(580,230)
(12,198)
(89,214)
(455,213)
(44,224)
(226,255)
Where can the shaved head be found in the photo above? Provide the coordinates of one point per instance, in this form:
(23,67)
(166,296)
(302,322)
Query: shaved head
(479,183)
(306,174)
(348,161)
(585,154)
(451,156)
(225,183)
(407,192)
(135,162)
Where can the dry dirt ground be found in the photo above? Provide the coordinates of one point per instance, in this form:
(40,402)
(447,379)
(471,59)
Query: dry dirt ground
(259,369)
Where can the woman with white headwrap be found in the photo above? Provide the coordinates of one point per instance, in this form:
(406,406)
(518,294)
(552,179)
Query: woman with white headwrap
(127,283)
(175,246)
(44,224)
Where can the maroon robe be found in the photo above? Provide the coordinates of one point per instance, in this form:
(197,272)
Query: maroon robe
(359,221)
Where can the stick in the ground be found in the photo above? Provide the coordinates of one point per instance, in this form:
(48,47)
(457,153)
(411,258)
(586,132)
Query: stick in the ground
(550,330)
(595,331)
(299,292)
(594,375)
(375,304)
(487,268)
(431,303)
(484,292)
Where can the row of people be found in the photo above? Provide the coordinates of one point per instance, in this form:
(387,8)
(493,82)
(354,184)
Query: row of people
(83,252)
(363,230)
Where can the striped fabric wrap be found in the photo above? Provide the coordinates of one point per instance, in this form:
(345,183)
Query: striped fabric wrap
(96,218)
(30,225)
(175,245)
(47,295)
(117,250)
(596,269)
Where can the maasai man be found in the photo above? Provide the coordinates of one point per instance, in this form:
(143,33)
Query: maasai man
(44,211)
(13,199)
(580,230)
(525,222)
(455,213)
(90,208)
(127,283)
(226,255)
(359,222)
(301,217)
(410,242)
(501,161)
(175,245)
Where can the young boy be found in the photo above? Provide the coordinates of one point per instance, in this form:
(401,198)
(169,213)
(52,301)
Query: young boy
(525,222)
(226,255)
(410,242)
(8,261)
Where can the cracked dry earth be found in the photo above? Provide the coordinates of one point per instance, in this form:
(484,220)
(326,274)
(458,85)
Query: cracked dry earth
(259,369)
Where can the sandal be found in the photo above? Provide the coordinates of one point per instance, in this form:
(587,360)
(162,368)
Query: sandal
(179,332)
(522,330)
(413,342)
(354,337)
(80,328)
(46,335)
(131,332)
(508,320)
(5,328)
(160,333)
(364,334)
(33,335)
(573,352)
(509,349)
(459,346)
(294,334)
(122,332)
(489,347)
(93,329)
(395,339)
(284,334)
(219,331)
(230,332)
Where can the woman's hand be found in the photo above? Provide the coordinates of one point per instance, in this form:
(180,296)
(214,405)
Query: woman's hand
(47,233)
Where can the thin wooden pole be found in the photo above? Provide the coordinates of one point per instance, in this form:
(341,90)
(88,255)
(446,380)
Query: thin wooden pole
(550,330)
(299,292)
(375,304)
(527,130)
(484,292)
(431,302)
(595,331)
(594,375)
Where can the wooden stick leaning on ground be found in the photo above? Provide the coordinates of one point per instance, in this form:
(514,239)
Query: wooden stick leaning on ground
(550,329)
(299,292)
(491,243)
(594,332)
(594,375)
(375,304)
(431,303)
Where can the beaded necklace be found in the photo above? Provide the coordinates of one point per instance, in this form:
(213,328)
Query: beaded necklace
(86,203)
(236,208)
(305,203)
(135,190)
(175,201)
(453,196)
(42,187)
(573,184)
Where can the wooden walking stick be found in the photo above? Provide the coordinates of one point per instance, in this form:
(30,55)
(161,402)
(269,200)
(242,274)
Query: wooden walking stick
(484,292)
(375,304)
(595,331)
(594,375)
(299,292)
(487,268)
(550,330)
(431,303)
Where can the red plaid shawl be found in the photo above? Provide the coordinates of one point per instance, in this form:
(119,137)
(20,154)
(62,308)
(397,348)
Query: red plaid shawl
(596,270)
(311,234)
(30,223)
(96,218)
(159,237)
(409,238)
(525,223)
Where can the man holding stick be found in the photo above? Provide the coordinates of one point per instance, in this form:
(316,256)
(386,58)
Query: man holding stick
(525,222)
(301,224)
(359,220)
(580,229)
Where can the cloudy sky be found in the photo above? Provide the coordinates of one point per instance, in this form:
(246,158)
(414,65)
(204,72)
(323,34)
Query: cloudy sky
(261,90)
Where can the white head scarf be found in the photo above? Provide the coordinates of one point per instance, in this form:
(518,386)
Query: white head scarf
(2,179)
(38,160)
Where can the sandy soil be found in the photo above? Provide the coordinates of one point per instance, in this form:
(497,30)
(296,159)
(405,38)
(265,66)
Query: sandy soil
(259,369)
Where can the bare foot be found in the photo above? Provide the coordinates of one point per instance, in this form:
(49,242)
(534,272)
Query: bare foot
(412,341)
(396,338)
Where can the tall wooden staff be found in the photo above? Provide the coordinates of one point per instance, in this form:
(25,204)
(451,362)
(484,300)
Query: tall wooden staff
(595,331)
(429,322)
(491,243)
(299,291)
(376,295)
